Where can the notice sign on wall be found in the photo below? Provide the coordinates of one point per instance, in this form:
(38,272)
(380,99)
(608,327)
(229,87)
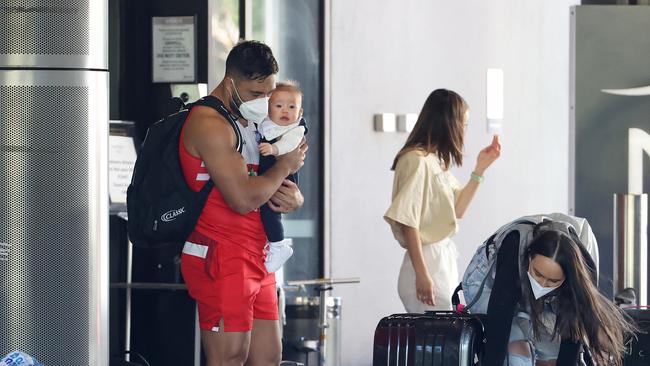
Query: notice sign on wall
(174,45)
(121,160)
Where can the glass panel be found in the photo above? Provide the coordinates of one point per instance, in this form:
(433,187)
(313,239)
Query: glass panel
(223,27)
(292,30)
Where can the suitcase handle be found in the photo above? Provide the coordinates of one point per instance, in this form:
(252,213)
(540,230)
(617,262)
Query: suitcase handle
(455,299)
(440,312)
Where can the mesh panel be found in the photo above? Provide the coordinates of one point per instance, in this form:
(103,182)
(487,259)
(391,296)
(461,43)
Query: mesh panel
(44,284)
(44,27)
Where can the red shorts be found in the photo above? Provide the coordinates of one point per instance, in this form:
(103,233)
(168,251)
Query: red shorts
(228,282)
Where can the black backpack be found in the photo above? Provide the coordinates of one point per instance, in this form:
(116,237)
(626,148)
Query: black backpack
(162,208)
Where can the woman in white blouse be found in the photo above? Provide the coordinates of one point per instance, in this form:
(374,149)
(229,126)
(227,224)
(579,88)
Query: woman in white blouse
(428,200)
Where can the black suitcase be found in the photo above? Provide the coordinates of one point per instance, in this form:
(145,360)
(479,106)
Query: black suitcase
(638,350)
(430,339)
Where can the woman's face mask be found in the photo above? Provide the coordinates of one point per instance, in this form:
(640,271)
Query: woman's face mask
(539,290)
(253,110)
(545,275)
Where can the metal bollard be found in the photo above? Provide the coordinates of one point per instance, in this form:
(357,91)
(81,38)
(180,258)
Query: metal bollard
(631,244)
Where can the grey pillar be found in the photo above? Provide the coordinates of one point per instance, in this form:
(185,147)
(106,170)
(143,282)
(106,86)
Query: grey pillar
(53,180)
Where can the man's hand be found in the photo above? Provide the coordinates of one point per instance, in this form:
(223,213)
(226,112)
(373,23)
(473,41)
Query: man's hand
(267,149)
(287,198)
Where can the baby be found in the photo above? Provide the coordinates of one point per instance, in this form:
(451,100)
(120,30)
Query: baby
(282,131)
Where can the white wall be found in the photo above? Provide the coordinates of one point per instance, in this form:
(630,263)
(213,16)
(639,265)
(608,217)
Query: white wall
(387,57)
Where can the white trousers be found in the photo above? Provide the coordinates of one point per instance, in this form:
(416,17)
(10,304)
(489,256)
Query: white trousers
(441,261)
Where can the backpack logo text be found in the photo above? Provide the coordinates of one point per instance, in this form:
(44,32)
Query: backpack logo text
(172,215)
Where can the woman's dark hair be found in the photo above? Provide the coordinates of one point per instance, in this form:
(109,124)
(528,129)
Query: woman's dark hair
(583,313)
(252,60)
(439,128)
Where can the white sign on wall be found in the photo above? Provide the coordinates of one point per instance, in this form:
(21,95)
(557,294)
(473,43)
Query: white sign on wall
(174,48)
(121,160)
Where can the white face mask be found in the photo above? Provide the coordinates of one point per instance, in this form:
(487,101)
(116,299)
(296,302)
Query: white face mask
(539,290)
(254,110)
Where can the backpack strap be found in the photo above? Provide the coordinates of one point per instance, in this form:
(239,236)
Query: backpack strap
(503,300)
(216,104)
(303,123)
(488,243)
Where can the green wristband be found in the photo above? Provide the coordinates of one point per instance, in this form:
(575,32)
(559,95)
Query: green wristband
(477,178)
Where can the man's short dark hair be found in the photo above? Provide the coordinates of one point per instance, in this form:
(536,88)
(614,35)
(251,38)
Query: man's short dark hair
(251,60)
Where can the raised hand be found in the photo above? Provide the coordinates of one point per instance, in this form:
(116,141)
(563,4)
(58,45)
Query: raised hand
(488,155)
